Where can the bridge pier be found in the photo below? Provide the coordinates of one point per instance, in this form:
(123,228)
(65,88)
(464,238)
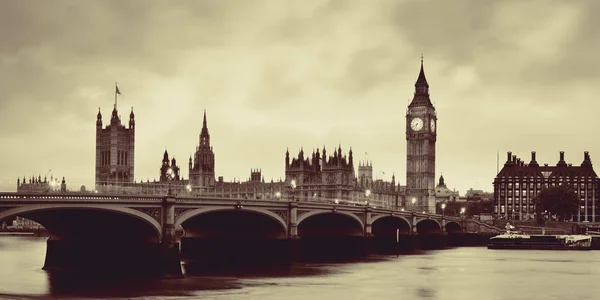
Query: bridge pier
(368,222)
(169,258)
(293,225)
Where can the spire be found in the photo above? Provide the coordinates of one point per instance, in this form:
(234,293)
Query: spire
(421,80)
(166,156)
(204,136)
(421,97)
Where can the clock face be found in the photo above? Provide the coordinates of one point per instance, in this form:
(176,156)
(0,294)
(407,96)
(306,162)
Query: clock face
(416,124)
(432,125)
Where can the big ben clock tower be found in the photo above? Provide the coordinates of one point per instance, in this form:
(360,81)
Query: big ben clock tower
(421,135)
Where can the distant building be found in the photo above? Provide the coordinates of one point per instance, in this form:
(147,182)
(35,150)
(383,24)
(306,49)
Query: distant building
(23,223)
(518,183)
(443,193)
(39,185)
(478,195)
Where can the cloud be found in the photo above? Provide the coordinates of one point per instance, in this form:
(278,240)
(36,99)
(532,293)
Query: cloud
(279,74)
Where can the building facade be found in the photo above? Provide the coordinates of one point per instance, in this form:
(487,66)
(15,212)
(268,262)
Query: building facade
(518,183)
(115,150)
(421,136)
(333,178)
(317,177)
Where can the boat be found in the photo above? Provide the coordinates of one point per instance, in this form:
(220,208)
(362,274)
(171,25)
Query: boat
(513,239)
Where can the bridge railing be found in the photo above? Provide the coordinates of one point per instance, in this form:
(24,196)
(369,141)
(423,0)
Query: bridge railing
(53,197)
(318,201)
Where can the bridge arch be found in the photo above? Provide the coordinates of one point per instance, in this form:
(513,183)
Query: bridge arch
(25,212)
(388,224)
(427,225)
(307,215)
(453,227)
(375,218)
(187,215)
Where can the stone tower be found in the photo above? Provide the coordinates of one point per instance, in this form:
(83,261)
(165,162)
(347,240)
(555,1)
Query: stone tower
(365,174)
(421,135)
(115,148)
(202,166)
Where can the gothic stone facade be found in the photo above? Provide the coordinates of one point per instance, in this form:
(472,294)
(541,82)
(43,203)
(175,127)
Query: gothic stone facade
(115,148)
(333,178)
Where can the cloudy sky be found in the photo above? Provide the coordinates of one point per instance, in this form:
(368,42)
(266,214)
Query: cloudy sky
(504,76)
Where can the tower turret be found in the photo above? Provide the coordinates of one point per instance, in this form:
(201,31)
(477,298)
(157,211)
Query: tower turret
(99,119)
(131,119)
(165,158)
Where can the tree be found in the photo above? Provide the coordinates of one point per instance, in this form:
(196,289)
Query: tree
(480,207)
(560,200)
(452,208)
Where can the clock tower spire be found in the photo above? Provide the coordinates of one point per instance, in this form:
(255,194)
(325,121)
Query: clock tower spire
(421,136)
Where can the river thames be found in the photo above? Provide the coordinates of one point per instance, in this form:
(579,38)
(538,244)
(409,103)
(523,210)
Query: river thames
(458,273)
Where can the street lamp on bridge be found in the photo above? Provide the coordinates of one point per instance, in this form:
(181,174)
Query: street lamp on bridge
(443,208)
(293,185)
(170,177)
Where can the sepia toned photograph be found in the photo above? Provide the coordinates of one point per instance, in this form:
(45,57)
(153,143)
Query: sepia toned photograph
(281,149)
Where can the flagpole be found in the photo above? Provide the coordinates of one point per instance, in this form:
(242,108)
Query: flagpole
(115,95)
(497,160)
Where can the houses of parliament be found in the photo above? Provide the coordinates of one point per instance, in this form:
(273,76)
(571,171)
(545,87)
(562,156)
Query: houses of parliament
(319,174)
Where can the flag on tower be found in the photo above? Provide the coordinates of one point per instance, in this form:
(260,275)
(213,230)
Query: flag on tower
(117,90)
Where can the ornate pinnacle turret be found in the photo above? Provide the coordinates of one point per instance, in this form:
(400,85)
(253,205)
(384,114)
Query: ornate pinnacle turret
(166,156)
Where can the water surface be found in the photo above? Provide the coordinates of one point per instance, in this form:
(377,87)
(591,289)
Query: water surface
(459,273)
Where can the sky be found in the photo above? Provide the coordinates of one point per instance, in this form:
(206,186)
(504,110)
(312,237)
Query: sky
(516,76)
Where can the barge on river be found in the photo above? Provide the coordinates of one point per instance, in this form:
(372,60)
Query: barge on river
(518,240)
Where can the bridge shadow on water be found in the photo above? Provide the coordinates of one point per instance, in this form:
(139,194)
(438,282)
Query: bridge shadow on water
(213,265)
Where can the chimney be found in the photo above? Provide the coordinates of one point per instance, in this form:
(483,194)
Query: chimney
(533,162)
(508,156)
(514,159)
(586,159)
(562,155)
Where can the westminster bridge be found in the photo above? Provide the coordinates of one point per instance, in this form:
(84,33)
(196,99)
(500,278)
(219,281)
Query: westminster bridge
(95,231)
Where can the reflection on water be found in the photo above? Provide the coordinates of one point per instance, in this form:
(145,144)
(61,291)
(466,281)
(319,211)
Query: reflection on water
(460,273)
